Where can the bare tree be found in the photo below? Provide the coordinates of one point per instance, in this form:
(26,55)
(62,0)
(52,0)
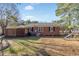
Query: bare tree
(8,12)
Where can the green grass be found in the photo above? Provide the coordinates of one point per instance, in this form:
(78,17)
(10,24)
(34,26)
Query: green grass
(28,38)
(12,50)
(24,46)
(28,46)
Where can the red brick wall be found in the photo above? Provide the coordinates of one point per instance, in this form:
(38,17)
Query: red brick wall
(15,32)
(47,32)
(10,32)
(20,32)
(57,29)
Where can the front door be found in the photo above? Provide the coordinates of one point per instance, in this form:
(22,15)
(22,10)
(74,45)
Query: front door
(32,29)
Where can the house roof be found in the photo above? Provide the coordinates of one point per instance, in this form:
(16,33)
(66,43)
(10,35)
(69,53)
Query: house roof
(36,25)
(42,25)
(15,27)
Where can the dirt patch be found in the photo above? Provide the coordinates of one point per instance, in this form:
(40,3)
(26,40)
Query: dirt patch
(44,47)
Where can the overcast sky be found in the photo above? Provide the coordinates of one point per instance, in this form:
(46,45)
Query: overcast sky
(42,12)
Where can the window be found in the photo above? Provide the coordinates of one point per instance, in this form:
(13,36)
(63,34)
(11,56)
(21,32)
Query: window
(53,28)
(32,29)
(50,29)
(39,29)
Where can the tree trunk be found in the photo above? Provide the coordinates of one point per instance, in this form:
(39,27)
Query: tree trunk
(3,30)
(3,26)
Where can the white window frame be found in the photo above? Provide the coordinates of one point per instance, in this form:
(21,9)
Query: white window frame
(39,29)
(51,29)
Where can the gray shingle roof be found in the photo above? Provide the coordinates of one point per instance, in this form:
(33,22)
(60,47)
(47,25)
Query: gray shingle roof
(36,25)
(42,25)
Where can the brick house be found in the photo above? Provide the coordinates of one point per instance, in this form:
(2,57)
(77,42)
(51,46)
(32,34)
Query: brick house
(42,29)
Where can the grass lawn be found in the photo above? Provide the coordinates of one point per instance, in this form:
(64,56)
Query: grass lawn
(35,46)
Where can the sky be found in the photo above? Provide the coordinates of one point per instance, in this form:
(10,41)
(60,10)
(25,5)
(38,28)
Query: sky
(41,12)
